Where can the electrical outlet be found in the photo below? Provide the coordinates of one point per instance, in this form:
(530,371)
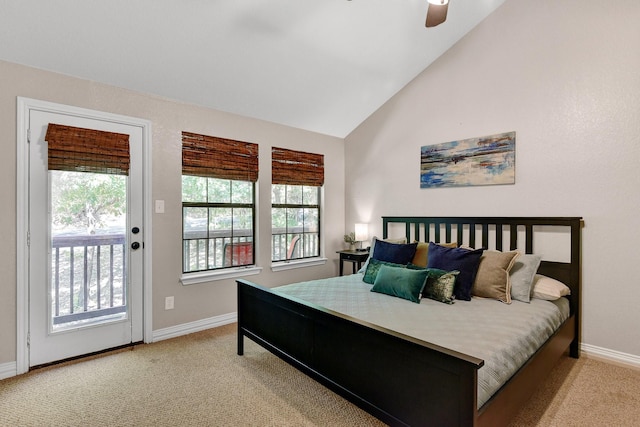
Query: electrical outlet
(168,303)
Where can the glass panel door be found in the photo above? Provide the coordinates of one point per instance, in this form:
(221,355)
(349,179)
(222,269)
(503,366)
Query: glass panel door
(86,236)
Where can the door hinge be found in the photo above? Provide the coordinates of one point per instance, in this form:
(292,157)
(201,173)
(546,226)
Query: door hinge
(28,238)
(28,136)
(29,339)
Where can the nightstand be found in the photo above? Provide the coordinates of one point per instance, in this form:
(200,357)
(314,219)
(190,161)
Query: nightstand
(354,257)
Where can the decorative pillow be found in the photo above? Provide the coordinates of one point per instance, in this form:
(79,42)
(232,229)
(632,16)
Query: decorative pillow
(549,289)
(400,282)
(400,241)
(492,278)
(394,252)
(464,260)
(440,284)
(373,268)
(422,252)
(521,276)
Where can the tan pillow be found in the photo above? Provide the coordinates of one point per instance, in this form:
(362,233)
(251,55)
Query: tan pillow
(421,258)
(492,278)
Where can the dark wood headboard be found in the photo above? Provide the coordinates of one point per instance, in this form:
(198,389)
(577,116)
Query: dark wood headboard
(493,232)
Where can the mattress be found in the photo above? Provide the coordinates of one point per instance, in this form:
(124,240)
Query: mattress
(503,335)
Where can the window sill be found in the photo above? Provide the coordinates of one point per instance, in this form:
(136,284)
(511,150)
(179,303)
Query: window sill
(210,276)
(298,263)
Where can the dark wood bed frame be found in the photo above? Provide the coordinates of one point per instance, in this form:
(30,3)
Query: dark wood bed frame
(399,379)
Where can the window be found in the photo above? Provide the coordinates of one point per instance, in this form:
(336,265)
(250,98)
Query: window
(218,202)
(297,179)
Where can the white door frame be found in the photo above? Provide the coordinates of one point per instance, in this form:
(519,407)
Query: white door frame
(24,105)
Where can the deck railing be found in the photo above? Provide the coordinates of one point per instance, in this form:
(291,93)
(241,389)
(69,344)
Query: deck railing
(88,276)
(202,252)
(88,272)
(293,245)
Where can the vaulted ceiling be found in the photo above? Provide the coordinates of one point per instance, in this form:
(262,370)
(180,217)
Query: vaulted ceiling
(319,65)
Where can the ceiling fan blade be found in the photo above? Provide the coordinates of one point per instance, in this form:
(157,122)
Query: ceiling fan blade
(436,14)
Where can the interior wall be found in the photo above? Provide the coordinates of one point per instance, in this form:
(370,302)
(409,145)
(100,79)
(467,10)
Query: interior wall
(169,119)
(564,76)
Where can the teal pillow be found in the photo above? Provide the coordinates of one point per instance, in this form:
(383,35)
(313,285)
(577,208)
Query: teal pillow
(373,267)
(440,284)
(400,282)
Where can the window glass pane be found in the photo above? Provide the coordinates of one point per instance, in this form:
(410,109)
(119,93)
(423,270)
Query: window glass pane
(278,220)
(310,195)
(219,190)
(294,246)
(294,194)
(294,220)
(186,258)
(238,253)
(242,192)
(194,189)
(215,254)
(195,255)
(195,223)
(242,222)
(311,245)
(220,222)
(310,220)
(278,192)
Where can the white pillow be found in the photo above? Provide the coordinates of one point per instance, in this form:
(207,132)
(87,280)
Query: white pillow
(548,289)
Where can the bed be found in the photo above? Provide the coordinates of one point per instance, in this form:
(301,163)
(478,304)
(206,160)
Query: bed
(398,377)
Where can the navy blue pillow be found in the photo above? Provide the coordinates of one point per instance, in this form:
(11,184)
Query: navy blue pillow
(464,260)
(394,252)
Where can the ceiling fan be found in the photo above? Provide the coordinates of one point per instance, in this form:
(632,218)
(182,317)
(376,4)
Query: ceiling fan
(437,12)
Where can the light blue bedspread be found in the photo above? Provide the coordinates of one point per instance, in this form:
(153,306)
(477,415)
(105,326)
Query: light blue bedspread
(504,336)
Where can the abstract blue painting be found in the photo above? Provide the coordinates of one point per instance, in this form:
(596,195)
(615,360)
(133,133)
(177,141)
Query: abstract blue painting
(489,160)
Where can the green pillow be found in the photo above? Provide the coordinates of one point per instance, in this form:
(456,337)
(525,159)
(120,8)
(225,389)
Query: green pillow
(373,267)
(400,282)
(440,284)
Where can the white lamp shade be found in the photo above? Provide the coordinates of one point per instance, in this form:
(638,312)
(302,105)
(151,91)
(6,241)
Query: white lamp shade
(362,232)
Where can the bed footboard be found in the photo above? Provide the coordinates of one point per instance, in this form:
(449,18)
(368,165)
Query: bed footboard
(399,379)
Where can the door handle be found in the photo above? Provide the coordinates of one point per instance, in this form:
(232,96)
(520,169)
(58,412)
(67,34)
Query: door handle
(135,245)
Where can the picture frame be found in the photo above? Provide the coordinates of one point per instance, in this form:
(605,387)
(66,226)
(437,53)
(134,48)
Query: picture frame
(487,160)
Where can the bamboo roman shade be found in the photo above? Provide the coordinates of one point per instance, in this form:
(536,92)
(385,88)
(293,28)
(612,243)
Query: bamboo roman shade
(87,150)
(296,167)
(222,158)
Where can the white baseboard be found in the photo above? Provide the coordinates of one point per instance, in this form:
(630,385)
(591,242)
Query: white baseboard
(611,355)
(197,326)
(7,370)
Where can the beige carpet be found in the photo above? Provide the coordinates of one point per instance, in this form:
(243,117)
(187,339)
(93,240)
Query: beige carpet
(198,380)
(585,392)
